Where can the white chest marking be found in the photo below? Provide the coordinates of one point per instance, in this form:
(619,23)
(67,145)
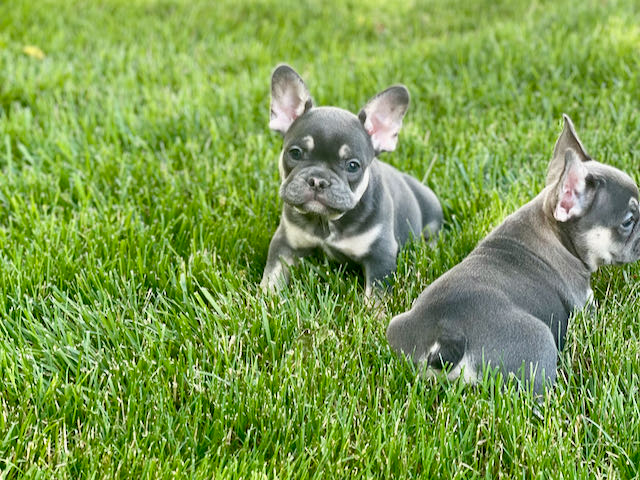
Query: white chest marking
(354,246)
(358,245)
(298,237)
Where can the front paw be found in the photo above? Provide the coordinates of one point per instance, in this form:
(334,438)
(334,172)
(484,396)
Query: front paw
(273,281)
(591,305)
(375,300)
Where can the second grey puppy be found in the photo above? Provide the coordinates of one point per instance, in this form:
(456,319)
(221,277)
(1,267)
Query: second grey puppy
(508,303)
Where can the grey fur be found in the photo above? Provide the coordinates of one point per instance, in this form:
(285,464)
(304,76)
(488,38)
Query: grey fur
(363,216)
(507,304)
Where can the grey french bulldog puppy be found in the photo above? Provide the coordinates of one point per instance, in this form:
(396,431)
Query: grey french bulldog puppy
(337,195)
(507,304)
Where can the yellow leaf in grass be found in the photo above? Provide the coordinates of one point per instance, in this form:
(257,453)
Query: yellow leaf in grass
(33,51)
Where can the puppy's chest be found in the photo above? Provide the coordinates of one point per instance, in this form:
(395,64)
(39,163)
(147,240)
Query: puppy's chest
(335,243)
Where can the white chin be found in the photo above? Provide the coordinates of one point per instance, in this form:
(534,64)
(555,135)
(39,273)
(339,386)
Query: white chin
(317,208)
(314,206)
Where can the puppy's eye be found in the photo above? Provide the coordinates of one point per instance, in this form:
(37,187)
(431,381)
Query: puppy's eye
(353,165)
(628,223)
(295,153)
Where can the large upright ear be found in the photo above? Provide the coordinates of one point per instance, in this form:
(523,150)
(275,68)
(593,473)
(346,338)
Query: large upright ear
(382,117)
(568,139)
(575,191)
(290,98)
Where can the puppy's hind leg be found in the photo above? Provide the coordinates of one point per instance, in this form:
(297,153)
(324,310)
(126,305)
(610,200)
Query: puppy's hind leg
(525,349)
(449,353)
(432,348)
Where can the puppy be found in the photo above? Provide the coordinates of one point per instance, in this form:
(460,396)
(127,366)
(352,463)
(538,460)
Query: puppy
(508,303)
(337,195)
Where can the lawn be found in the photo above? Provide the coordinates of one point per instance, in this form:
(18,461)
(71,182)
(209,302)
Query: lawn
(139,191)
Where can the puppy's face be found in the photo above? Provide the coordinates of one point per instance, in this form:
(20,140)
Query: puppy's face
(595,205)
(327,151)
(324,162)
(608,232)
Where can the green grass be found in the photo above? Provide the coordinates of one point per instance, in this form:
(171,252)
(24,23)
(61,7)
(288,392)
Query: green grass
(139,191)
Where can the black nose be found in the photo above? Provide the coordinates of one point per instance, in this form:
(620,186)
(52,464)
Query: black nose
(318,183)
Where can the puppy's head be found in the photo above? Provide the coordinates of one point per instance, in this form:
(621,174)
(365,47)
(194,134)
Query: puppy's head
(595,206)
(327,150)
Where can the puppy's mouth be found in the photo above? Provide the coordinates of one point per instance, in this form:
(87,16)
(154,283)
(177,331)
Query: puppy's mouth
(329,202)
(317,206)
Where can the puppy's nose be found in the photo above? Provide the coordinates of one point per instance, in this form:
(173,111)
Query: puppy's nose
(318,183)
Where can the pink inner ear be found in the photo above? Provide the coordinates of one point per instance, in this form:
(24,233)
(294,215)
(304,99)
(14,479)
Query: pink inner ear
(281,119)
(384,135)
(285,110)
(571,193)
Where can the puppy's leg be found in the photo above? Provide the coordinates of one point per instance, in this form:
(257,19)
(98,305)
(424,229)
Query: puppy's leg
(380,264)
(447,352)
(432,347)
(525,348)
(378,271)
(430,215)
(281,256)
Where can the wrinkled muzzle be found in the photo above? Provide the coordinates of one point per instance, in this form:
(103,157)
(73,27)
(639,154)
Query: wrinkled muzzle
(316,190)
